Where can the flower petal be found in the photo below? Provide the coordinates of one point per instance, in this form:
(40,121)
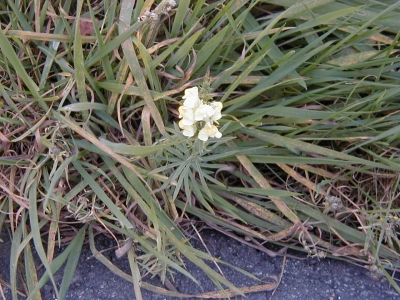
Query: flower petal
(188,130)
(187,115)
(217,106)
(209,131)
(203,135)
(191,97)
(217,134)
(203,113)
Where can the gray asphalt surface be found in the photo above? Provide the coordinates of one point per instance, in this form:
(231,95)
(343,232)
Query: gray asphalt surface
(303,279)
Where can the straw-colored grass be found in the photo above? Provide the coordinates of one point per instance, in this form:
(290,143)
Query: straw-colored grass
(309,157)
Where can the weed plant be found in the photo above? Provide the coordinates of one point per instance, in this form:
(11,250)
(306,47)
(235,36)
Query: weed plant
(308,158)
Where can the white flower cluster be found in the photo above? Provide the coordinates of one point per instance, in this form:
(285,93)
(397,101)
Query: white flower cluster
(194,112)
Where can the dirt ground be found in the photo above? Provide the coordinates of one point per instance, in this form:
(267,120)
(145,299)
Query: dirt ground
(302,279)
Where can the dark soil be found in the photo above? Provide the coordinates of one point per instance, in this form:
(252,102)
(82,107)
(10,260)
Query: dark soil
(303,278)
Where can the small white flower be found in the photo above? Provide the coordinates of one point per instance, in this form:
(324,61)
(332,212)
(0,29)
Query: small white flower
(191,97)
(188,130)
(187,115)
(209,131)
(204,113)
(217,106)
(191,103)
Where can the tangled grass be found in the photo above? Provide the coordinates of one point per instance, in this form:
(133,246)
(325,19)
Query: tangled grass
(309,157)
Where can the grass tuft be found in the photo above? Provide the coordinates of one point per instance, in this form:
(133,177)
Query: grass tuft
(309,157)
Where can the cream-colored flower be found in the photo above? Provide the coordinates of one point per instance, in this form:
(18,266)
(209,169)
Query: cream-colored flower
(190,105)
(204,113)
(187,115)
(188,130)
(217,106)
(209,131)
(194,113)
(191,97)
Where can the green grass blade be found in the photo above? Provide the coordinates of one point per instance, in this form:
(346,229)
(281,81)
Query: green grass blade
(8,53)
(72,261)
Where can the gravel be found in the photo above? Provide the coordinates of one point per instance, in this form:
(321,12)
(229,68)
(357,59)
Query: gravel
(303,278)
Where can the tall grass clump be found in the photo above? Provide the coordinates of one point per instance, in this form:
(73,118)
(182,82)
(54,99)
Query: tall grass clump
(90,143)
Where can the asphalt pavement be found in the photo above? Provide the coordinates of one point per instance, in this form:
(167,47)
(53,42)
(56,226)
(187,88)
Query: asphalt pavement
(299,278)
